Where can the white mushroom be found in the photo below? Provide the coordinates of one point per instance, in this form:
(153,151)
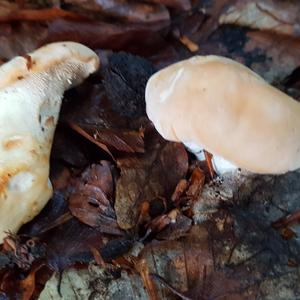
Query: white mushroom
(31,90)
(217,104)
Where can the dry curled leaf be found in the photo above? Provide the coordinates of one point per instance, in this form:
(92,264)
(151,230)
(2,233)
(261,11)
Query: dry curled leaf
(142,267)
(159,223)
(91,200)
(193,47)
(121,140)
(134,38)
(179,190)
(288,220)
(14,286)
(278,16)
(75,238)
(37,15)
(27,285)
(196,183)
(147,177)
(129,11)
(95,120)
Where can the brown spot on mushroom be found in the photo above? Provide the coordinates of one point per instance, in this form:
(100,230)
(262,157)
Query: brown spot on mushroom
(34,206)
(34,152)
(12,143)
(50,122)
(3,183)
(4,179)
(29,61)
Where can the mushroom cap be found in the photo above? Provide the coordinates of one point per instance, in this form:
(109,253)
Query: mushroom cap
(227,109)
(31,90)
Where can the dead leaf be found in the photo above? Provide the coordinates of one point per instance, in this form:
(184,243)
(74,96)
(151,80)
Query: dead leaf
(159,223)
(75,238)
(73,245)
(150,176)
(27,285)
(91,200)
(142,267)
(14,284)
(188,266)
(179,190)
(137,39)
(278,16)
(176,229)
(178,4)
(193,47)
(281,54)
(272,56)
(95,120)
(116,248)
(37,15)
(168,286)
(195,183)
(189,190)
(69,150)
(20,38)
(98,258)
(53,211)
(288,233)
(122,140)
(288,220)
(125,10)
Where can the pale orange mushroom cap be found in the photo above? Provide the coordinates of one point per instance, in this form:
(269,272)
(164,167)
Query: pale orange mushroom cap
(222,106)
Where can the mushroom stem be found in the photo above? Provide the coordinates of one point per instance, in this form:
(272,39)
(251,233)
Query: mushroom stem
(220,165)
(31,90)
